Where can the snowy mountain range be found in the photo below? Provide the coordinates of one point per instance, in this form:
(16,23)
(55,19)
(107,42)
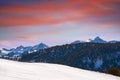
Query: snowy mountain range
(95,40)
(21,49)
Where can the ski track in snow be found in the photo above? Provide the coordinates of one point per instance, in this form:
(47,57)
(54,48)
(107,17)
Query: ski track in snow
(11,70)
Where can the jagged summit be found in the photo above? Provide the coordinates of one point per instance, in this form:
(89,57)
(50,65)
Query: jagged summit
(20,47)
(98,40)
(22,50)
(40,46)
(97,37)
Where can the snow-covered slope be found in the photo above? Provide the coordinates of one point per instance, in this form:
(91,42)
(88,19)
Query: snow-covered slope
(10,70)
(4,51)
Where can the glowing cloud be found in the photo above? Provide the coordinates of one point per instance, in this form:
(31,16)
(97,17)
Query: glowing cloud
(53,12)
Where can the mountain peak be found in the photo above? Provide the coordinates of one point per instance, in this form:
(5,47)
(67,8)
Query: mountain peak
(40,46)
(98,40)
(97,37)
(20,47)
(42,43)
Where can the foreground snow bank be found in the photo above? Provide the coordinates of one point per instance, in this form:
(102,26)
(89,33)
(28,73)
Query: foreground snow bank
(10,70)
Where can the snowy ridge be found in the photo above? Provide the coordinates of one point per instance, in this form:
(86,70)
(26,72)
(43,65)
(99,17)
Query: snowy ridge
(20,50)
(77,42)
(10,70)
(95,40)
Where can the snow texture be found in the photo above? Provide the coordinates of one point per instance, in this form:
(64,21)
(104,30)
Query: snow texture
(11,70)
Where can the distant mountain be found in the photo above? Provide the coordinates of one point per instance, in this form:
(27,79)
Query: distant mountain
(4,51)
(40,46)
(20,50)
(77,42)
(95,40)
(113,41)
(98,40)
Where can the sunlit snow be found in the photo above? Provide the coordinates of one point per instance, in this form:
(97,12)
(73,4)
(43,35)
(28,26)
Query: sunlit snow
(11,70)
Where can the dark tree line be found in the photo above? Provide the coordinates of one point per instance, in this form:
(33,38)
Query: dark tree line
(90,56)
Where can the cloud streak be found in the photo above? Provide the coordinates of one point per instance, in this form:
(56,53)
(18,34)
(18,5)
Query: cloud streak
(53,12)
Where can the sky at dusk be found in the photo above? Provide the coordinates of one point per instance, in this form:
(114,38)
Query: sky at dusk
(29,22)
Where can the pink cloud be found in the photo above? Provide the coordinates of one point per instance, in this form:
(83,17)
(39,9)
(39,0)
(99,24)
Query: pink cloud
(70,10)
(30,38)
